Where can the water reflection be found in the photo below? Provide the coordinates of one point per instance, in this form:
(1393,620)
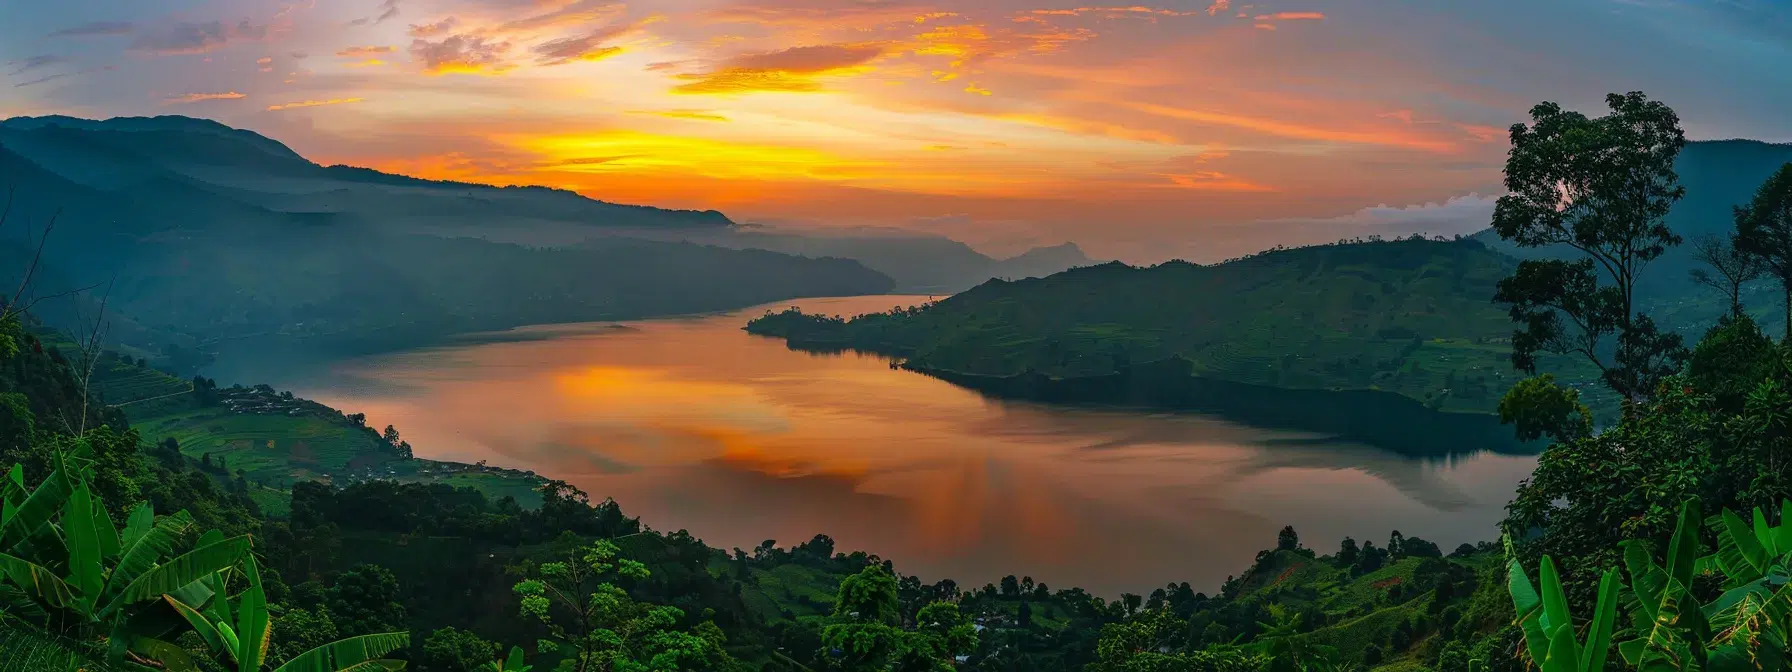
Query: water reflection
(692,423)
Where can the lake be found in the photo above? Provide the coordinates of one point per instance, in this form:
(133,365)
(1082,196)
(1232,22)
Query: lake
(692,423)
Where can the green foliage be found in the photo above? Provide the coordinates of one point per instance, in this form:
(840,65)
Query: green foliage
(1539,406)
(451,649)
(865,632)
(364,600)
(1731,358)
(606,628)
(1602,186)
(1764,230)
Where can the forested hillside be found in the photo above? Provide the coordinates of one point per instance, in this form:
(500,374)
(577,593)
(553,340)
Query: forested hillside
(1410,316)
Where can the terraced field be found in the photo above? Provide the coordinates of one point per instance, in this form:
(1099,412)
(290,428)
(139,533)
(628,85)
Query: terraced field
(271,449)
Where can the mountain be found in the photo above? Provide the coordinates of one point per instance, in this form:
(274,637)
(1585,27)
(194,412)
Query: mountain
(131,152)
(1412,317)
(205,233)
(919,264)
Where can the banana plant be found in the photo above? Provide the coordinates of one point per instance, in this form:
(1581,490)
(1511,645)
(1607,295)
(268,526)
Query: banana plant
(1745,552)
(240,642)
(61,524)
(513,663)
(123,584)
(1669,626)
(1549,628)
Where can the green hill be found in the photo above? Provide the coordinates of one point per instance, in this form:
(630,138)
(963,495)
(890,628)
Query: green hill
(1412,317)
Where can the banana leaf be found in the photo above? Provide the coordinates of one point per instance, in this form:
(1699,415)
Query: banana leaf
(38,582)
(352,653)
(144,548)
(84,562)
(38,507)
(253,625)
(171,656)
(187,568)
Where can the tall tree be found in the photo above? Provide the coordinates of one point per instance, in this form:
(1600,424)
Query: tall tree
(1731,268)
(1601,186)
(1764,230)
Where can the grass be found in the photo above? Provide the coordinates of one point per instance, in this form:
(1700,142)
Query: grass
(492,485)
(274,450)
(790,591)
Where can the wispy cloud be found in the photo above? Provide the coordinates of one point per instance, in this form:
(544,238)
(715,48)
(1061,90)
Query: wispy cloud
(695,115)
(197,38)
(388,9)
(789,70)
(201,97)
(433,29)
(1291,16)
(364,52)
(61,75)
(93,28)
(313,103)
(461,53)
(591,46)
(34,62)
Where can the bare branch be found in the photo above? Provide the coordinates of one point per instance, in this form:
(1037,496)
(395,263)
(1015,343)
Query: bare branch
(90,352)
(30,270)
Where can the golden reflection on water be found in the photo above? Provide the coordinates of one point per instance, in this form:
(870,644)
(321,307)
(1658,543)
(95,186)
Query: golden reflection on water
(692,423)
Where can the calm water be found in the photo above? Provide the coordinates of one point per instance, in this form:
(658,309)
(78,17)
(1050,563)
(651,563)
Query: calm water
(692,423)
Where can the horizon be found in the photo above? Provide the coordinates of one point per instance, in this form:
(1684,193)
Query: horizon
(1006,127)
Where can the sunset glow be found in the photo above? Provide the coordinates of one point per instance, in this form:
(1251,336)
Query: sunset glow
(1142,131)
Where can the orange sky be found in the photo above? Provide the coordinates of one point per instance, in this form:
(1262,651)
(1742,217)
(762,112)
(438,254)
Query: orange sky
(1195,128)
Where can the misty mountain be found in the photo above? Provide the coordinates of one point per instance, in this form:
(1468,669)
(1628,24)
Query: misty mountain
(919,264)
(205,233)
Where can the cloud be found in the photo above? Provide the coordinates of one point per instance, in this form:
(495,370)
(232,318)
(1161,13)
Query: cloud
(1291,16)
(695,115)
(588,47)
(266,63)
(313,103)
(973,88)
(792,70)
(34,62)
(1297,130)
(1116,12)
(1218,6)
(200,97)
(364,52)
(1463,215)
(433,29)
(299,55)
(461,53)
(388,9)
(575,13)
(60,75)
(197,38)
(92,28)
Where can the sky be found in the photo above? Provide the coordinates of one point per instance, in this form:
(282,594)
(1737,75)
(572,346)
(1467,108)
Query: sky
(1195,129)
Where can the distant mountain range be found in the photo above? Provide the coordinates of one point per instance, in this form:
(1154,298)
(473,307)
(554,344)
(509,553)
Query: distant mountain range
(206,233)
(919,264)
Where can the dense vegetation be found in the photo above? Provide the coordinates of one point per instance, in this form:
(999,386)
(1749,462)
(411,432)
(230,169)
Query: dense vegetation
(122,551)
